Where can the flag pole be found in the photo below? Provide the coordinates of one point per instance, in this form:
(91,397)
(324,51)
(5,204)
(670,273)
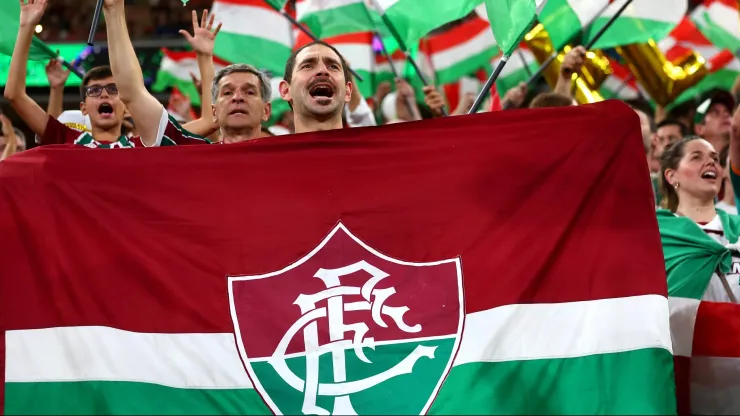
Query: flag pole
(604,28)
(524,61)
(482,95)
(96,19)
(534,77)
(402,46)
(623,84)
(308,33)
(396,75)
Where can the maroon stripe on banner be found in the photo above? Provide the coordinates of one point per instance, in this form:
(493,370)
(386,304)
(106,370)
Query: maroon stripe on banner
(715,322)
(682,372)
(538,211)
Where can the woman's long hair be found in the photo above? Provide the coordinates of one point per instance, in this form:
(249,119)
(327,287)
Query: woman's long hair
(670,160)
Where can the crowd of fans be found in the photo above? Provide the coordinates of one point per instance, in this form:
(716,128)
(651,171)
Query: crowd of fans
(69,20)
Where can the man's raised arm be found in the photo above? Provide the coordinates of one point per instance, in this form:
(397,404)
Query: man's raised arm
(147,112)
(15,88)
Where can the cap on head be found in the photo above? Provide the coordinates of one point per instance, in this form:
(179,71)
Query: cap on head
(714,97)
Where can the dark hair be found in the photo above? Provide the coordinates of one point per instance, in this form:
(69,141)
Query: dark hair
(670,160)
(99,72)
(551,99)
(674,122)
(265,86)
(723,156)
(290,64)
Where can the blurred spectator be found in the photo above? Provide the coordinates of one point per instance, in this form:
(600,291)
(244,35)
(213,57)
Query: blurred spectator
(70,20)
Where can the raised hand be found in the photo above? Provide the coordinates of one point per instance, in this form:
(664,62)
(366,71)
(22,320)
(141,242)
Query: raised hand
(573,61)
(203,38)
(32,12)
(56,74)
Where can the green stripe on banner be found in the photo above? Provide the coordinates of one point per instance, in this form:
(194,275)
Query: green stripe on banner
(563,386)
(264,54)
(73,398)
(510,387)
(560,21)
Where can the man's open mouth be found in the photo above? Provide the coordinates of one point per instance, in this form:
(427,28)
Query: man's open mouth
(105,108)
(237,111)
(321,90)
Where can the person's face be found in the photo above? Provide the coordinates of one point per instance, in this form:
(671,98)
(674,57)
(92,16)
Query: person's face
(664,136)
(239,103)
(318,87)
(717,121)
(102,104)
(698,174)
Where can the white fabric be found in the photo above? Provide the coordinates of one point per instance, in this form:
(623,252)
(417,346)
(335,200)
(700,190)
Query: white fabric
(724,206)
(362,116)
(75,119)
(716,291)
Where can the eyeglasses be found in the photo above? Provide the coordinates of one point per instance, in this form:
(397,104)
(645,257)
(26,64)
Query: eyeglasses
(96,90)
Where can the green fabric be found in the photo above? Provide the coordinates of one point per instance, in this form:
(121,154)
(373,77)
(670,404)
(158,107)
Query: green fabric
(510,21)
(9,23)
(691,256)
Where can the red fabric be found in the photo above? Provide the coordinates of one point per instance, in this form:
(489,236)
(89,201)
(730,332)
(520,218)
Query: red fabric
(537,212)
(682,373)
(713,319)
(58,133)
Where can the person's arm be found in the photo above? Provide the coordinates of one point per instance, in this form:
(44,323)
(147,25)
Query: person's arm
(203,41)
(406,105)
(572,63)
(15,88)
(433,99)
(11,141)
(57,77)
(148,113)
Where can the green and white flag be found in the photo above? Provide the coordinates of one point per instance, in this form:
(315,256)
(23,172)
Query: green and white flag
(175,70)
(462,50)
(10,13)
(718,20)
(565,19)
(518,69)
(510,20)
(642,20)
(253,33)
(413,19)
(326,18)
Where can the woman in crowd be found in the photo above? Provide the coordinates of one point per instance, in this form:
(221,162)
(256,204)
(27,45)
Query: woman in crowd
(698,239)
(701,257)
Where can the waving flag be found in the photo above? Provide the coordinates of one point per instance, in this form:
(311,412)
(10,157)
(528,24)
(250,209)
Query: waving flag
(175,70)
(641,21)
(254,33)
(10,13)
(724,67)
(510,20)
(326,18)
(414,19)
(462,50)
(565,19)
(719,21)
(335,283)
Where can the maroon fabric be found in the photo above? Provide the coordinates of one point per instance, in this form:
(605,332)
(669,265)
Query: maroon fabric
(682,371)
(58,133)
(540,206)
